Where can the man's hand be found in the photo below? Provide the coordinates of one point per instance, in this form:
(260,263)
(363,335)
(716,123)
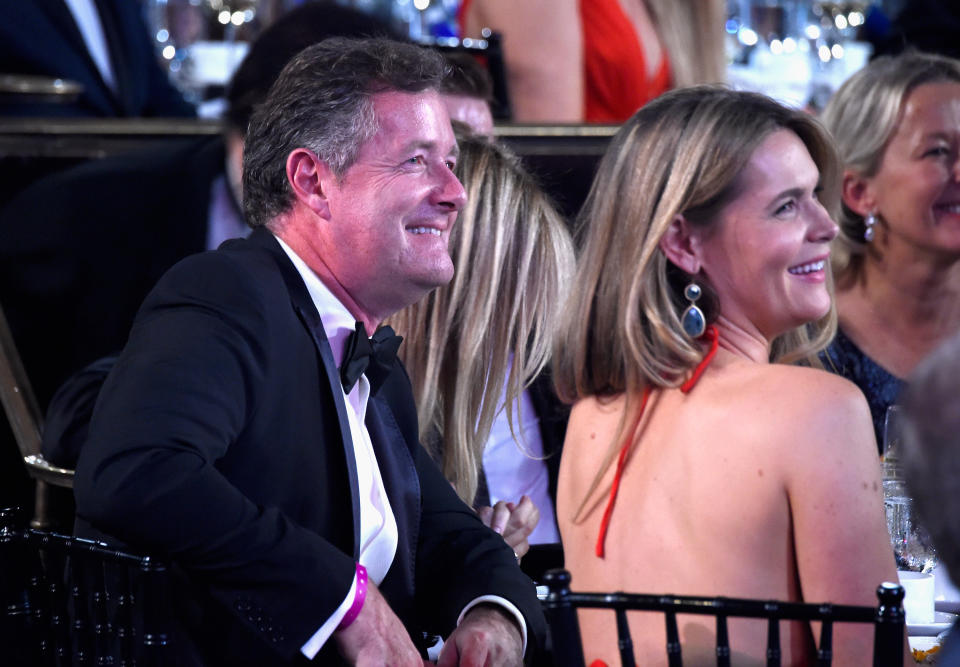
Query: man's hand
(486,637)
(515,521)
(377,637)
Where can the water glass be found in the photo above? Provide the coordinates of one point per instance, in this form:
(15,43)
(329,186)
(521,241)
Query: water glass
(911,543)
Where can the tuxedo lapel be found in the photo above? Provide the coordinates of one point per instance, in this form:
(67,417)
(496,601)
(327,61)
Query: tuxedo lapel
(402,484)
(120,60)
(59,15)
(307,312)
(85,71)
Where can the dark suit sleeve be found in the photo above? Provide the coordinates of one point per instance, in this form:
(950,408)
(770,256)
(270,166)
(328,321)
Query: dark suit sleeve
(459,559)
(178,399)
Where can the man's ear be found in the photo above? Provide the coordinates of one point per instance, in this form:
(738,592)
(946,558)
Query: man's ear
(309,178)
(857,193)
(681,245)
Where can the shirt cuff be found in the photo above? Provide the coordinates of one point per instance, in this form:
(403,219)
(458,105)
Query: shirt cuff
(507,606)
(320,637)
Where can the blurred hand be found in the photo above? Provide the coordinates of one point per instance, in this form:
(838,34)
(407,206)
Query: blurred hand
(486,637)
(515,521)
(377,637)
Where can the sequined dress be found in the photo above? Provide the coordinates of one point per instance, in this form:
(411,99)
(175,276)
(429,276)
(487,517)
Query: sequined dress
(880,387)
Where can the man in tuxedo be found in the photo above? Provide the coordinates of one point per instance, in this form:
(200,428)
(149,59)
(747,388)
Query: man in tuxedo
(252,432)
(101,44)
(101,234)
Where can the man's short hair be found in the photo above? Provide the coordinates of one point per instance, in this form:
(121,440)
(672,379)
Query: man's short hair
(322,101)
(931,441)
(467,77)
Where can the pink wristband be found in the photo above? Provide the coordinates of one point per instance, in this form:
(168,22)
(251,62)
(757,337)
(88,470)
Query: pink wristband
(358,598)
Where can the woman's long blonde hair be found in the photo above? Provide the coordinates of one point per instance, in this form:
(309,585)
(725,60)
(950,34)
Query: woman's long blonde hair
(681,154)
(692,32)
(514,260)
(863,115)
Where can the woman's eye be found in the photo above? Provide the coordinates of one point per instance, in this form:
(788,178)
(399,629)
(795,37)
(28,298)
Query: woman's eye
(786,207)
(415,160)
(450,164)
(937,151)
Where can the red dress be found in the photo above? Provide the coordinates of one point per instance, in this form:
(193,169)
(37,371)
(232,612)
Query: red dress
(616,82)
(615,79)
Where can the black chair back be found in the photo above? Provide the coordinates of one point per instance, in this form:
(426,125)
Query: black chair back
(70,601)
(26,422)
(561,604)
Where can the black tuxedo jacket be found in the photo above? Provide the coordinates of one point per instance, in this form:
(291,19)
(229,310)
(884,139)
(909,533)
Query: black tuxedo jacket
(40,37)
(220,439)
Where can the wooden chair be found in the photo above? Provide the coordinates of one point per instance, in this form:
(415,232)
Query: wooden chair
(70,601)
(26,421)
(561,604)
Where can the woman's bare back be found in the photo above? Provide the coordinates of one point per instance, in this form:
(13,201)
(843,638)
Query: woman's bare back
(737,488)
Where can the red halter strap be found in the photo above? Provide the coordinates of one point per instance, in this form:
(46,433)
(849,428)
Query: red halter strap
(713,337)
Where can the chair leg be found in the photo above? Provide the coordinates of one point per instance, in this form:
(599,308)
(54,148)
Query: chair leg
(41,507)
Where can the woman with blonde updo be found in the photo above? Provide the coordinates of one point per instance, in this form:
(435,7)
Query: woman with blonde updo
(698,460)
(897,259)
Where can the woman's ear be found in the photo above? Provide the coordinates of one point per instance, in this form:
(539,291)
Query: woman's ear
(309,178)
(857,193)
(681,245)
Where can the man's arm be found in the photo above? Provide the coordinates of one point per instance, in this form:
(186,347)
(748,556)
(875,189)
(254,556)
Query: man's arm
(193,372)
(461,560)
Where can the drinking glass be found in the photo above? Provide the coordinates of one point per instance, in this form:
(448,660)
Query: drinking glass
(892,470)
(910,541)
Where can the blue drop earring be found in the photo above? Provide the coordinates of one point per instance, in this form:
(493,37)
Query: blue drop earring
(693,321)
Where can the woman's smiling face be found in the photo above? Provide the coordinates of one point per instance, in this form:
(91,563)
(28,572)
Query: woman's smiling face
(916,190)
(766,257)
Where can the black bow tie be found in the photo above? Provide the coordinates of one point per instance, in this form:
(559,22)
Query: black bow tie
(374,357)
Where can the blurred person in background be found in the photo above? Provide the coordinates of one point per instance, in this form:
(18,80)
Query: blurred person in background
(598,61)
(699,460)
(930,444)
(467,93)
(897,259)
(477,348)
(924,25)
(102,45)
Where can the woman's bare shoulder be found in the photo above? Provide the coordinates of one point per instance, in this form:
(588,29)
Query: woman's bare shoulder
(803,389)
(813,410)
(798,406)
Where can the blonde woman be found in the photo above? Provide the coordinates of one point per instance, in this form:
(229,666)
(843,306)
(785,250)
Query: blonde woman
(696,460)
(474,346)
(600,60)
(897,260)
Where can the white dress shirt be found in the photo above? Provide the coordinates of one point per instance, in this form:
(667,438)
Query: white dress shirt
(378,526)
(514,468)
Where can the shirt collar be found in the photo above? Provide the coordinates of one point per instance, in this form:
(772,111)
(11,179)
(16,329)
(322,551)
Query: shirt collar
(338,323)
